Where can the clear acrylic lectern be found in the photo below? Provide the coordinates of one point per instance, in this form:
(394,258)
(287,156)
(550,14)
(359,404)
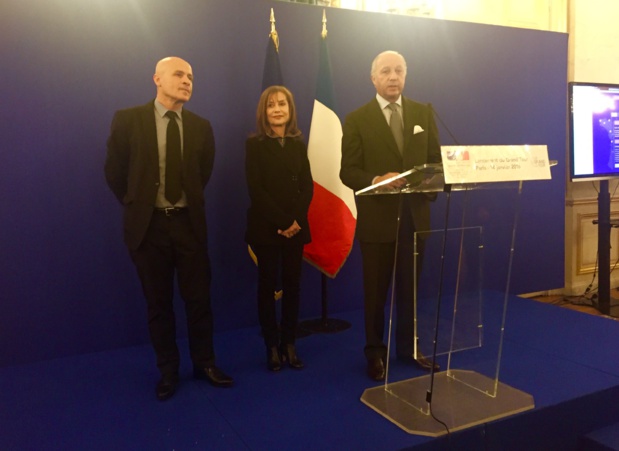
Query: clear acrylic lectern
(460,315)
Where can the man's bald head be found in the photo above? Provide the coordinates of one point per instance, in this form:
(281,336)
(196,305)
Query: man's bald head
(174,80)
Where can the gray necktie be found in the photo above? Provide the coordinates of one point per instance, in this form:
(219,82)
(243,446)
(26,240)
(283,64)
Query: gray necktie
(173,164)
(396,126)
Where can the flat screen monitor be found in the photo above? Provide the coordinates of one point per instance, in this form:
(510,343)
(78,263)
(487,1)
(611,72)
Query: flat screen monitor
(594,131)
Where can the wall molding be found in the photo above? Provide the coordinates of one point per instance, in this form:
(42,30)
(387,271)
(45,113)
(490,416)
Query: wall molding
(586,242)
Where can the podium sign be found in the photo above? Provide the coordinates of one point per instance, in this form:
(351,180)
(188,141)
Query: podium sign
(481,164)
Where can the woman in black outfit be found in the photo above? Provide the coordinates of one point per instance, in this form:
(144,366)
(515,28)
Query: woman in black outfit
(280,187)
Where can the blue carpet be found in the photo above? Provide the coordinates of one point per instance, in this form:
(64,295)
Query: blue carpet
(606,439)
(565,359)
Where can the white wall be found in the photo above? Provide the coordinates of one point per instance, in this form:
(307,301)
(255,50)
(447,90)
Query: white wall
(538,14)
(594,57)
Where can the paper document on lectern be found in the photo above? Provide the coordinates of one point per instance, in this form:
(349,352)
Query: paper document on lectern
(480,164)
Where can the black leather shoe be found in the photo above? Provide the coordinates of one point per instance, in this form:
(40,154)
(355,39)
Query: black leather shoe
(376,369)
(289,354)
(166,387)
(213,375)
(425,363)
(274,363)
(421,361)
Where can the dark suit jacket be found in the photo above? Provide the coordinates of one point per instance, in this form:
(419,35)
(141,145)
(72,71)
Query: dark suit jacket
(281,189)
(132,168)
(369,150)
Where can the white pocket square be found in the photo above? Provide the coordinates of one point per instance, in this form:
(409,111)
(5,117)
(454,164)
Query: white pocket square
(417,129)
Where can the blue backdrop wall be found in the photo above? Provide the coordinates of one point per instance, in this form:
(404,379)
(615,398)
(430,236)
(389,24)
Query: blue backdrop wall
(67,282)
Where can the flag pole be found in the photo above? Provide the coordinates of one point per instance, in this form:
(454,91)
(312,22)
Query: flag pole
(273,34)
(324,324)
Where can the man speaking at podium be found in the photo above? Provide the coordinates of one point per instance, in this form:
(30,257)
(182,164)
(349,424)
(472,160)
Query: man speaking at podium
(383,138)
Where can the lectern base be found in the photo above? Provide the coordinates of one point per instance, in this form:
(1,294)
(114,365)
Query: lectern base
(454,402)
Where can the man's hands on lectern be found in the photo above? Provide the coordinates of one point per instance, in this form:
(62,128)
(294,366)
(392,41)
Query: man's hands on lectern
(397,184)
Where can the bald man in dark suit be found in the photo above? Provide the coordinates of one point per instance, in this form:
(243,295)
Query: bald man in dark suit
(371,153)
(161,188)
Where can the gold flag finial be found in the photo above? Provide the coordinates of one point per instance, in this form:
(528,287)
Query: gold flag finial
(273,34)
(324,24)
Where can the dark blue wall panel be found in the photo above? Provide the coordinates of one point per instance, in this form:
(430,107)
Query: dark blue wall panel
(67,284)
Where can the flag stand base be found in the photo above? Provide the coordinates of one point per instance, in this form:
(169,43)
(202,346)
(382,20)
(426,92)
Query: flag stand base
(324,325)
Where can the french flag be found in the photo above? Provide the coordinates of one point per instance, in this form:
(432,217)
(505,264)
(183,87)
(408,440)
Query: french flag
(332,214)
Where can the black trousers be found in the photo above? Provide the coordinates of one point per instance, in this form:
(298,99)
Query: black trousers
(378,264)
(170,248)
(271,259)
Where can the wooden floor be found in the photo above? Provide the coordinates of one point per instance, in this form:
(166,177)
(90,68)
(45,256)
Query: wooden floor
(585,304)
